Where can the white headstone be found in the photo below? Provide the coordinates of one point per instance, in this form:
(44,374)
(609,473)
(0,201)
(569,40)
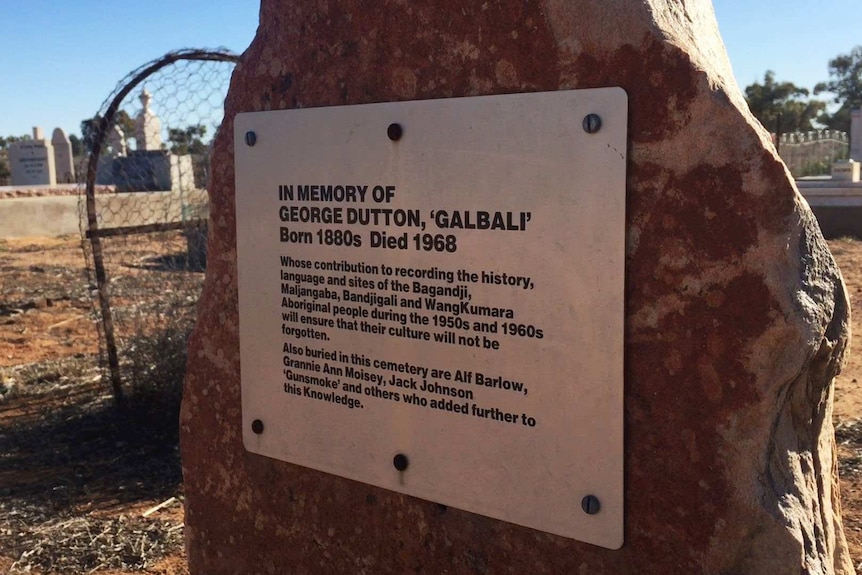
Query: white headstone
(32,161)
(148,127)
(182,173)
(846,170)
(856,134)
(117,141)
(63,163)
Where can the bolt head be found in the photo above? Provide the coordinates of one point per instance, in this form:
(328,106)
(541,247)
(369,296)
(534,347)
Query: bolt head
(250,138)
(394,131)
(591,504)
(400,462)
(592,123)
(257,426)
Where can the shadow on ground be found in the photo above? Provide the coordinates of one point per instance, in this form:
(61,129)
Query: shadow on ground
(86,453)
(171,263)
(69,460)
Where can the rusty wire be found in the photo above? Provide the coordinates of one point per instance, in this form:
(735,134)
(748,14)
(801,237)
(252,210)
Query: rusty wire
(145,246)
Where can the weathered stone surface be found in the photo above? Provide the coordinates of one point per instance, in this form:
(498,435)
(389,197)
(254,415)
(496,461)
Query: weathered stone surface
(737,318)
(32,161)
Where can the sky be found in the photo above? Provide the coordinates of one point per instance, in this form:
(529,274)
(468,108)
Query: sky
(61,59)
(794,38)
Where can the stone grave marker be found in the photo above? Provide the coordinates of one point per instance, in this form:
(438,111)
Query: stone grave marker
(736,318)
(148,126)
(63,163)
(32,161)
(845,171)
(116,142)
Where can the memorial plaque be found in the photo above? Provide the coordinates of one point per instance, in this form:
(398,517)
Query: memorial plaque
(431,300)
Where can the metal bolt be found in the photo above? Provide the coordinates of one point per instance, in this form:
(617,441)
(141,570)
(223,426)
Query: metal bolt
(400,462)
(394,131)
(591,505)
(592,123)
(257,426)
(250,138)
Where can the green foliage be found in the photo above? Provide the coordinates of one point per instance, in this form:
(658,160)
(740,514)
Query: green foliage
(820,167)
(845,81)
(90,127)
(6,140)
(77,145)
(188,140)
(839,120)
(769,100)
(814,168)
(126,123)
(5,171)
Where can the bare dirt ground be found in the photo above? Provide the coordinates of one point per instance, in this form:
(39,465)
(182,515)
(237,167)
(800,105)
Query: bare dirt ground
(80,487)
(78,481)
(848,401)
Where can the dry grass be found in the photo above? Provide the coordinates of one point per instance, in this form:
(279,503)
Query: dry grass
(72,463)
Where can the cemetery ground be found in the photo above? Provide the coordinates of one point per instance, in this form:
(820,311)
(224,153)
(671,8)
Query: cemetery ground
(85,490)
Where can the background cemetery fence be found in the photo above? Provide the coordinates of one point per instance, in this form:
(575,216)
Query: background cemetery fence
(812,153)
(145,238)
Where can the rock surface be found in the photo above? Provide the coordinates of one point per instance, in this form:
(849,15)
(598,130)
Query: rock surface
(737,318)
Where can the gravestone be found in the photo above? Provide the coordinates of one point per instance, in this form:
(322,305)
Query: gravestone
(116,142)
(148,127)
(152,171)
(845,171)
(736,318)
(32,161)
(149,167)
(63,163)
(142,171)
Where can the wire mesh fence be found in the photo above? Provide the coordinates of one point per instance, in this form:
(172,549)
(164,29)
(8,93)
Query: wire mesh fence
(812,153)
(144,208)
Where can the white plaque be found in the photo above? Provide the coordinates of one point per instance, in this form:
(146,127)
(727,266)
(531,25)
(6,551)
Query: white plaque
(449,290)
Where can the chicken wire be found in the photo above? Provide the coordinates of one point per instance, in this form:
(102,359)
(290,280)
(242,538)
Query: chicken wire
(144,207)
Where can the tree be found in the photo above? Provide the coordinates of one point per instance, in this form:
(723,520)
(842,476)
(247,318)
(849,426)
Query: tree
(125,122)
(188,140)
(77,145)
(6,140)
(90,127)
(772,98)
(5,171)
(845,81)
